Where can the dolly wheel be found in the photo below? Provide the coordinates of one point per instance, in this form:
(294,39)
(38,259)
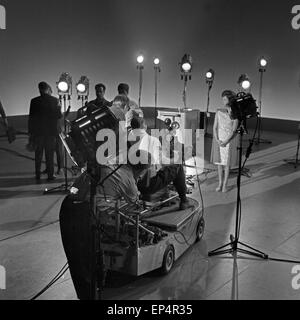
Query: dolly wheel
(200,230)
(169,259)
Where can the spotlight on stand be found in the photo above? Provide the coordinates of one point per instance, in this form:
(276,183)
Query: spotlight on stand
(83,86)
(210,77)
(244,82)
(262,68)
(64,88)
(157,70)
(156,62)
(140,66)
(140,59)
(263,64)
(83,89)
(186,67)
(64,85)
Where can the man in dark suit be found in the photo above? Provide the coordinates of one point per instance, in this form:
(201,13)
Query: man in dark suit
(98,103)
(45,112)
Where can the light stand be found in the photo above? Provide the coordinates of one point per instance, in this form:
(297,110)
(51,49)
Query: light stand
(140,67)
(185,78)
(157,70)
(295,162)
(235,239)
(262,70)
(233,247)
(83,90)
(209,81)
(186,67)
(83,100)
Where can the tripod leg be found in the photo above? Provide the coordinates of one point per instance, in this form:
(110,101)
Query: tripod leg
(221,248)
(221,252)
(254,254)
(247,246)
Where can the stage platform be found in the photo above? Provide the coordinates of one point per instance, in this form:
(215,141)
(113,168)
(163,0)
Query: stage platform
(32,253)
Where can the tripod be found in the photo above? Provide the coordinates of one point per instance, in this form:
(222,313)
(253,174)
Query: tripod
(295,162)
(259,140)
(235,239)
(65,186)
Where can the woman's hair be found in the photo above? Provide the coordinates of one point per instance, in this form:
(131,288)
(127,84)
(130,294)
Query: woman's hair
(229,94)
(122,101)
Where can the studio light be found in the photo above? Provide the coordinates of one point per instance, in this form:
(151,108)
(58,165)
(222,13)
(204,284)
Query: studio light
(243,107)
(83,86)
(186,67)
(262,70)
(186,64)
(140,59)
(210,76)
(263,62)
(156,62)
(157,71)
(64,85)
(244,82)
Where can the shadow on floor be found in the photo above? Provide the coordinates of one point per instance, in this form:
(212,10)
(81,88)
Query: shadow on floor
(22,182)
(20,225)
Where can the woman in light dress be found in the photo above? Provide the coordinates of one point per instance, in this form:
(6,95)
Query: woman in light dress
(225,141)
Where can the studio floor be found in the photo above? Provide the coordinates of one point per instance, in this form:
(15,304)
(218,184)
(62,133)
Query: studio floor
(32,253)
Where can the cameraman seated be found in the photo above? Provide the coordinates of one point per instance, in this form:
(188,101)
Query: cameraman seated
(151,173)
(130,179)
